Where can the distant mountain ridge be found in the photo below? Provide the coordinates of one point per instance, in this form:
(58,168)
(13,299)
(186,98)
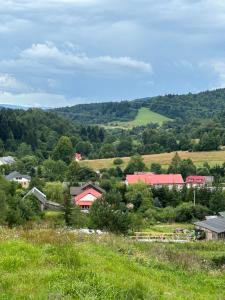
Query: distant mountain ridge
(202,105)
(12,106)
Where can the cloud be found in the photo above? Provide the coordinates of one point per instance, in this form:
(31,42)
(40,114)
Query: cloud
(9,83)
(218,68)
(47,54)
(44,100)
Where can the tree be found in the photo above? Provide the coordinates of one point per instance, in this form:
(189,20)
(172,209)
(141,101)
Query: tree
(208,142)
(140,196)
(85,148)
(3,207)
(103,216)
(23,150)
(55,191)
(187,168)
(54,170)
(72,173)
(156,168)
(125,146)
(68,211)
(175,166)
(63,150)
(136,164)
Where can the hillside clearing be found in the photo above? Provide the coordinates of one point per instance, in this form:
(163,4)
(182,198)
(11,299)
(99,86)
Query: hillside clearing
(50,264)
(212,157)
(144,117)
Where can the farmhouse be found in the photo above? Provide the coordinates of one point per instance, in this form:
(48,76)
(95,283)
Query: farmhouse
(157,180)
(24,180)
(85,195)
(214,228)
(6,160)
(199,181)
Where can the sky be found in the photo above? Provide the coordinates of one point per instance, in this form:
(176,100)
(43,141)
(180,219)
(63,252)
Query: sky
(63,52)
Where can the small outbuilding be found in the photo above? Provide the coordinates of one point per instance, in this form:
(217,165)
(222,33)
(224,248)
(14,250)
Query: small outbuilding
(214,228)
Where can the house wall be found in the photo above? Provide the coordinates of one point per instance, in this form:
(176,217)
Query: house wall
(24,182)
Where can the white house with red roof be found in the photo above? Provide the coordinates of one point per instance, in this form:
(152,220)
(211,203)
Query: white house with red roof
(85,195)
(157,180)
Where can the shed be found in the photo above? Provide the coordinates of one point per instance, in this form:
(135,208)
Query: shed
(214,228)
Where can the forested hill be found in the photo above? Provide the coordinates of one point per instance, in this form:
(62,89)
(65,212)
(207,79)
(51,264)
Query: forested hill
(201,105)
(37,132)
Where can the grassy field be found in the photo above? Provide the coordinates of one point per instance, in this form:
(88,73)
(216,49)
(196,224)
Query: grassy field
(49,264)
(144,117)
(213,158)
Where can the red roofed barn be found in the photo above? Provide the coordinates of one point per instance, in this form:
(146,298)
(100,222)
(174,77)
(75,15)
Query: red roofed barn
(158,180)
(85,195)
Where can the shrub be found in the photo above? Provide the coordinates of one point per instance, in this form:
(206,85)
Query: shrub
(118,161)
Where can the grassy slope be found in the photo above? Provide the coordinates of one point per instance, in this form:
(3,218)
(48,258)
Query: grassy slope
(213,158)
(45,264)
(144,117)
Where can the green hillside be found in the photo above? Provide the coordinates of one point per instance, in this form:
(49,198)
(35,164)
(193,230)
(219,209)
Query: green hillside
(202,105)
(144,117)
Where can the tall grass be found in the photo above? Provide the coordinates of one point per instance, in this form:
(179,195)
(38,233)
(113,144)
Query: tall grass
(57,264)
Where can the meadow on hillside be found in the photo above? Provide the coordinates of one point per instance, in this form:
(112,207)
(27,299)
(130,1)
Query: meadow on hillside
(211,157)
(54,264)
(144,117)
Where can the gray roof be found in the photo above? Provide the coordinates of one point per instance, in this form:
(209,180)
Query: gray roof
(74,191)
(222,214)
(216,225)
(7,160)
(16,174)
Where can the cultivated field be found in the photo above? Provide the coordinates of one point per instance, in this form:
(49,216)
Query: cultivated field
(213,158)
(53,264)
(144,117)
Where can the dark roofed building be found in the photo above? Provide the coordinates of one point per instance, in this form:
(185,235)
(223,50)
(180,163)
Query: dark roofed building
(24,180)
(214,228)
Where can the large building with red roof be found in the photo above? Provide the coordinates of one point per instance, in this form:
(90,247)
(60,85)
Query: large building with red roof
(157,180)
(85,195)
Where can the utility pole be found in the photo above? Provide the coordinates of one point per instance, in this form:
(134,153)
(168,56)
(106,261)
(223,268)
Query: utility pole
(194,197)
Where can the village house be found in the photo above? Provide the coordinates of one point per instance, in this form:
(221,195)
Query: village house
(24,180)
(157,180)
(85,195)
(195,181)
(6,160)
(213,228)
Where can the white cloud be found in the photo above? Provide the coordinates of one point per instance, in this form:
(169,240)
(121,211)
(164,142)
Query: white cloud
(46,100)
(48,54)
(9,83)
(218,68)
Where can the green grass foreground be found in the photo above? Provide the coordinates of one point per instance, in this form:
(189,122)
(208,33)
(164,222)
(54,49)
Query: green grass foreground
(51,264)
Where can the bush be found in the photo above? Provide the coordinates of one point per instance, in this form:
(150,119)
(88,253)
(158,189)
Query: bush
(103,216)
(118,161)
(187,212)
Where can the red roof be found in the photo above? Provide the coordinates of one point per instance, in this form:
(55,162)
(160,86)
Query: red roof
(155,179)
(78,156)
(195,179)
(91,191)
